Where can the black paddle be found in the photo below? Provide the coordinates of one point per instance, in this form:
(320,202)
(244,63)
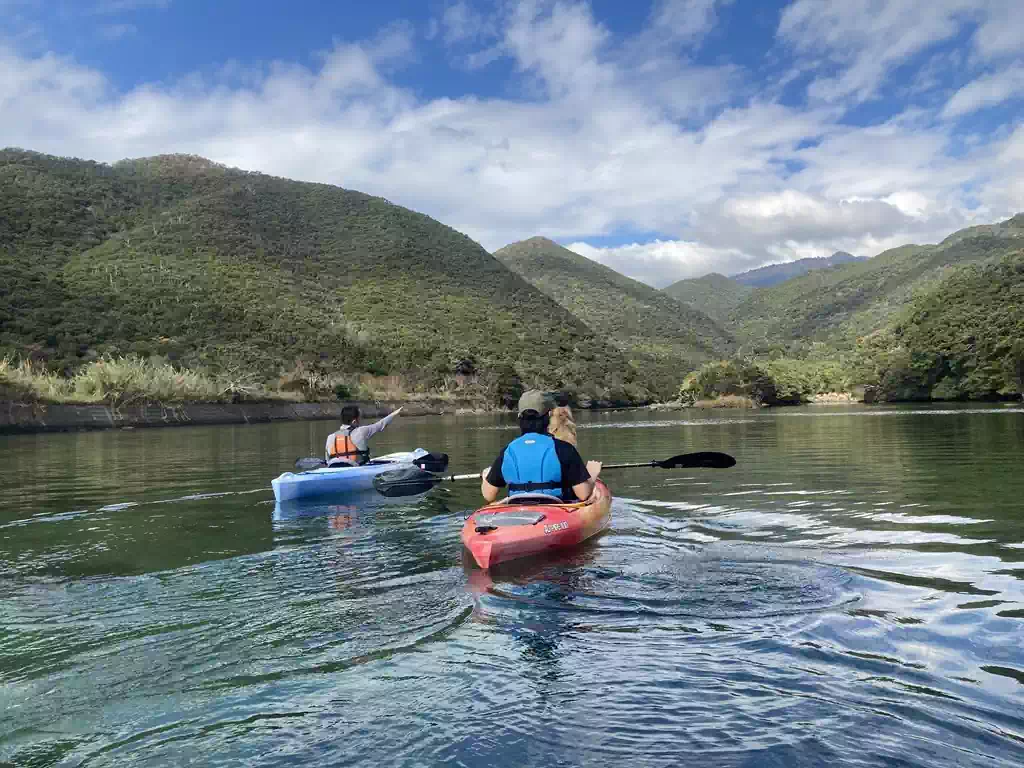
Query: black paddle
(412,481)
(708,459)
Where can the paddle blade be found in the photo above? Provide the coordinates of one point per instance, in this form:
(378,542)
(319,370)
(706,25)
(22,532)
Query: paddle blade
(310,462)
(404,481)
(709,459)
(433,462)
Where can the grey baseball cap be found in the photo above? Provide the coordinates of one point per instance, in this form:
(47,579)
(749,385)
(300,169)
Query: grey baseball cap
(535,400)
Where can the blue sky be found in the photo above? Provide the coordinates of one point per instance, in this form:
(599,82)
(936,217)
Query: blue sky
(666,138)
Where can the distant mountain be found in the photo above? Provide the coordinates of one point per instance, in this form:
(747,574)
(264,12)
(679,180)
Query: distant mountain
(208,266)
(850,300)
(659,335)
(774,274)
(715,295)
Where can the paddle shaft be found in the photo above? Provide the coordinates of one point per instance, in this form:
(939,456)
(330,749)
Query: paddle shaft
(653,463)
(629,466)
(424,480)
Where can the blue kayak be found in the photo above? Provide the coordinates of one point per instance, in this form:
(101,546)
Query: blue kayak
(340,480)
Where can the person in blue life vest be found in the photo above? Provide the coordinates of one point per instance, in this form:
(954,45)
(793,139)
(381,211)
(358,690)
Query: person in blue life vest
(535,462)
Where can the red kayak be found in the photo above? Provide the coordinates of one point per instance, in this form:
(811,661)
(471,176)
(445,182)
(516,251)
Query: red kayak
(527,524)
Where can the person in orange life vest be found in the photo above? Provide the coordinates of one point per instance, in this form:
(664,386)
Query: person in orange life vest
(350,445)
(536,462)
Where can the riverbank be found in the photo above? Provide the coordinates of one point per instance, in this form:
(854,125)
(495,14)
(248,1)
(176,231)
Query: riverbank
(22,418)
(742,401)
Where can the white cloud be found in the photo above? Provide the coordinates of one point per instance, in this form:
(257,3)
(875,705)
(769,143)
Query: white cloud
(661,263)
(1005,190)
(986,91)
(1001,31)
(461,22)
(866,39)
(800,216)
(686,21)
(602,136)
(561,47)
(860,43)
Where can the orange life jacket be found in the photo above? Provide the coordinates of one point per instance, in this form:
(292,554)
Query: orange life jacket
(345,448)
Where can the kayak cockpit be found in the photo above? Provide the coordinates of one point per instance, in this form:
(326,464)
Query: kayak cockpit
(497,520)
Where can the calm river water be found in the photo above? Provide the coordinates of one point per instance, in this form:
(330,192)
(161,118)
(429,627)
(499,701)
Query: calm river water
(849,594)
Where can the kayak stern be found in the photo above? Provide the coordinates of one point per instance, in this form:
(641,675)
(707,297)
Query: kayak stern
(505,531)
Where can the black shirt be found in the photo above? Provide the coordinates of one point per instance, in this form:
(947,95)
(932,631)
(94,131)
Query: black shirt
(574,471)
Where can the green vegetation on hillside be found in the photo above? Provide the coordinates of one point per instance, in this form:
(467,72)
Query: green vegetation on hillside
(840,304)
(766,382)
(962,339)
(715,295)
(237,273)
(658,334)
(174,277)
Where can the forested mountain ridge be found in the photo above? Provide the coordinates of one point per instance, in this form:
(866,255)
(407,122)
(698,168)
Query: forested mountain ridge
(657,333)
(178,259)
(715,295)
(962,338)
(206,266)
(938,322)
(840,304)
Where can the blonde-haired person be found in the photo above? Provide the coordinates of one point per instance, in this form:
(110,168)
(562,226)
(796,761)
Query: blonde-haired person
(561,425)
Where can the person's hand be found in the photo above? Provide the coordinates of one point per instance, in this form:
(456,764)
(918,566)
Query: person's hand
(594,468)
(484,471)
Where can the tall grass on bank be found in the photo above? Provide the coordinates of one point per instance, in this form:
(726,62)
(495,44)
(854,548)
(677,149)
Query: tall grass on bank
(117,381)
(124,380)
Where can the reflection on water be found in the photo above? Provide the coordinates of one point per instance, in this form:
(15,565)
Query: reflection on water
(849,594)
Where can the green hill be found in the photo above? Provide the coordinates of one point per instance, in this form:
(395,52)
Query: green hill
(960,338)
(658,334)
(715,295)
(840,304)
(222,269)
(963,338)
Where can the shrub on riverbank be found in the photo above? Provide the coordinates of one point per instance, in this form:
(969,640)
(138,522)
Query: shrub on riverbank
(802,380)
(728,377)
(726,401)
(768,382)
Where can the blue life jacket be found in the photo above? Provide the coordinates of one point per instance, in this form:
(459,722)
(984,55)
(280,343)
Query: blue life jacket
(530,465)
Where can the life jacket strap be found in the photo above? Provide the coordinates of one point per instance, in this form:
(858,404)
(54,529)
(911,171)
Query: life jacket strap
(530,487)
